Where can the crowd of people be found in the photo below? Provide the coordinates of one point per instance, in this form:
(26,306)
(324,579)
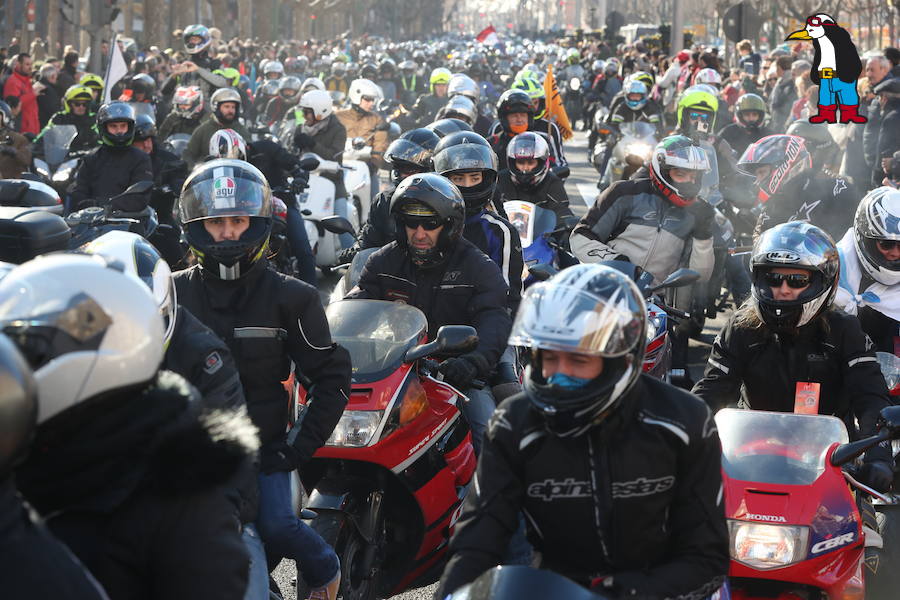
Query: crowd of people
(143,410)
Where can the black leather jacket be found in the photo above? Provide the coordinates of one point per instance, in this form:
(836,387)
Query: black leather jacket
(268,320)
(636,498)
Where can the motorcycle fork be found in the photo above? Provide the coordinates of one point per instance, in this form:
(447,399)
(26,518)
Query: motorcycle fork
(372,523)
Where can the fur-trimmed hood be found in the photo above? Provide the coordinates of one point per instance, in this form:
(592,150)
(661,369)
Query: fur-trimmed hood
(154,438)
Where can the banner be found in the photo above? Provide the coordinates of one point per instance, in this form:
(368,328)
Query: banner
(488,36)
(116,69)
(556,112)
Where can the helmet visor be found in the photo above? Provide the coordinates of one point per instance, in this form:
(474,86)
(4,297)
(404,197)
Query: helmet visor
(569,319)
(465,157)
(227,192)
(408,151)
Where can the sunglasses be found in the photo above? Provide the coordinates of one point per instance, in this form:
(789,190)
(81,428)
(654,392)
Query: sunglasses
(887,245)
(427,223)
(796,281)
(817,22)
(79,103)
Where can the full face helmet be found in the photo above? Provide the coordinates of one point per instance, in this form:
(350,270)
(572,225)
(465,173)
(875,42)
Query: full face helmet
(528,145)
(227,188)
(636,95)
(746,108)
(468,152)
(227,143)
(411,153)
(514,101)
(444,127)
(696,112)
(774,161)
(587,309)
(678,152)
(200,31)
(795,245)
(188,102)
(116,112)
(877,225)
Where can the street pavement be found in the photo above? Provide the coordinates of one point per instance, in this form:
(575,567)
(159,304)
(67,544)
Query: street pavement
(582,190)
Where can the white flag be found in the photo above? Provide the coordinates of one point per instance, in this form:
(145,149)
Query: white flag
(116,69)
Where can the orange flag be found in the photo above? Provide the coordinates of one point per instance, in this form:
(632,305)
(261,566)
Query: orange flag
(556,112)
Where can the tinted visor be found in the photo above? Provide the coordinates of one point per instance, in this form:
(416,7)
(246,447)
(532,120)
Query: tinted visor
(226,191)
(408,151)
(465,157)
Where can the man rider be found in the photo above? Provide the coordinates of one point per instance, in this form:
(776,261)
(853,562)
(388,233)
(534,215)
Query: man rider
(115,165)
(361,120)
(169,173)
(749,123)
(226,109)
(579,452)
(427,106)
(76,111)
(186,114)
(636,105)
(199,70)
(515,115)
(432,267)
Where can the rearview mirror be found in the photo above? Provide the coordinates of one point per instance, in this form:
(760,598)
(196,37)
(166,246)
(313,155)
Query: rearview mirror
(309,162)
(337,224)
(542,271)
(680,278)
(141,187)
(358,143)
(450,340)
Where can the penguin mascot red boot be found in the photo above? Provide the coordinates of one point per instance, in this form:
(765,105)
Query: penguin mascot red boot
(836,67)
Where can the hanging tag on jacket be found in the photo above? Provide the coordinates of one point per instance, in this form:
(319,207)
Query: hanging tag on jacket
(806,398)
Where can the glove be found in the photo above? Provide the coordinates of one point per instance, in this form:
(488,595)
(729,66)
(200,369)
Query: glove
(346,255)
(623,258)
(459,372)
(300,181)
(278,456)
(704,214)
(8,150)
(878,475)
(304,140)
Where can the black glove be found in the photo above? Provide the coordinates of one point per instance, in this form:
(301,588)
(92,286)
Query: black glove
(304,140)
(278,456)
(878,475)
(8,150)
(300,181)
(704,214)
(346,255)
(459,372)
(622,257)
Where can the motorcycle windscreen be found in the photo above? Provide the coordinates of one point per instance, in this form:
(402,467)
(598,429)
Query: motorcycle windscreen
(376,333)
(529,219)
(56,143)
(778,448)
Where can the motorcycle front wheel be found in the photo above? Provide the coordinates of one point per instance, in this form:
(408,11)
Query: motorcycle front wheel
(357,581)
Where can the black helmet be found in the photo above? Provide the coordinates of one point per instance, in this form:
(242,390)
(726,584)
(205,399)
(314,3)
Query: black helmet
(444,127)
(142,84)
(795,245)
(144,127)
(411,153)
(429,196)
(18,406)
(514,101)
(116,112)
(821,146)
(220,97)
(467,152)
(587,309)
(227,188)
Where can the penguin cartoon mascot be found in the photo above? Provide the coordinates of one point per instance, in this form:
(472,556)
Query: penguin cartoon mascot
(836,67)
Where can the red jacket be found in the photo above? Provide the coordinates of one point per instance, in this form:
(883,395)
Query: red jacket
(19,85)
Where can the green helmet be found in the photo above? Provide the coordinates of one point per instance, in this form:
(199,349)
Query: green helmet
(701,101)
(573,56)
(747,103)
(439,76)
(644,77)
(535,91)
(231,75)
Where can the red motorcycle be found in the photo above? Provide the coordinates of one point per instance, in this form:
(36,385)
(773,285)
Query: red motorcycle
(389,483)
(795,530)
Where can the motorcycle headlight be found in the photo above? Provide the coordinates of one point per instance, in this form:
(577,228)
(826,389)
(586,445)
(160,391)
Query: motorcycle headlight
(62,175)
(42,169)
(653,324)
(639,149)
(355,429)
(763,546)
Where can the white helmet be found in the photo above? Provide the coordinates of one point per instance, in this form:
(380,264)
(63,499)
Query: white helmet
(318,101)
(363,87)
(227,143)
(709,76)
(459,107)
(84,326)
(463,85)
(312,83)
(878,221)
(142,262)
(273,66)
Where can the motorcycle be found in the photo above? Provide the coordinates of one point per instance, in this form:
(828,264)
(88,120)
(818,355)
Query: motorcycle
(389,483)
(634,144)
(351,276)
(55,163)
(515,582)
(574,100)
(357,177)
(600,130)
(176,143)
(30,193)
(90,223)
(319,202)
(794,526)
(540,236)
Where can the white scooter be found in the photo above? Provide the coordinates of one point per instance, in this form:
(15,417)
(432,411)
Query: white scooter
(357,177)
(317,203)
